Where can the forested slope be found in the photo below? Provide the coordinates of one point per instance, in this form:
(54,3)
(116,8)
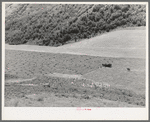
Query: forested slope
(57,24)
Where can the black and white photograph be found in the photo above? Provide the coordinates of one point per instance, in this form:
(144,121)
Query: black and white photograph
(75,55)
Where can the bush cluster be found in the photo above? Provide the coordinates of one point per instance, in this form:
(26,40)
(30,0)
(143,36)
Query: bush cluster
(72,24)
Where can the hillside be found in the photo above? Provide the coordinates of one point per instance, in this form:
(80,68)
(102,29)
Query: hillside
(126,43)
(58,24)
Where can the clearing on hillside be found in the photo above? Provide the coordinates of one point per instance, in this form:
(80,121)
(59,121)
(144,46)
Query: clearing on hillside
(125,43)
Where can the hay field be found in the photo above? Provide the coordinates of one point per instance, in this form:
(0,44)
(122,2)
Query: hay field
(122,43)
(35,76)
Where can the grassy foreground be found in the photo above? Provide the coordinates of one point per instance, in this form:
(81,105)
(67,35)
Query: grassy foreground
(21,65)
(71,88)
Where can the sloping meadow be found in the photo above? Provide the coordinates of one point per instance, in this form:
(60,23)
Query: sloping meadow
(39,66)
(70,87)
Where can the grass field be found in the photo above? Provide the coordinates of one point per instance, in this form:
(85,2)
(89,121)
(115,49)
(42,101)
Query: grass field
(27,65)
(70,88)
(123,43)
(36,78)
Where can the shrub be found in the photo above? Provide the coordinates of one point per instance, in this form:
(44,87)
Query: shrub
(139,23)
(117,7)
(99,19)
(96,8)
(125,8)
(84,18)
(66,38)
(115,15)
(92,17)
(74,30)
(123,21)
(40,42)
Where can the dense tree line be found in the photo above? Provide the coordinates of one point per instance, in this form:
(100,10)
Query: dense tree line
(55,29)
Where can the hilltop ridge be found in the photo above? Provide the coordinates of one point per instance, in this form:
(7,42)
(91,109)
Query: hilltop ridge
(58,24)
